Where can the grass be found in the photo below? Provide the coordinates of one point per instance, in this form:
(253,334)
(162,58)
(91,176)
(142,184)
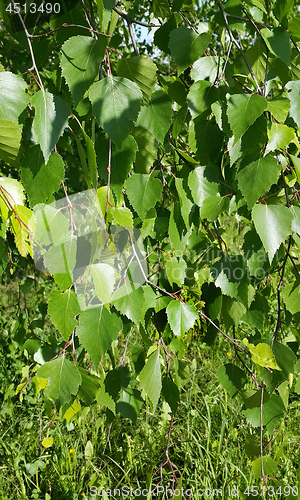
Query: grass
(207,441)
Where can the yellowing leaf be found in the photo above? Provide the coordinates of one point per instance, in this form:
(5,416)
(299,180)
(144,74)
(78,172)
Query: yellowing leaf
(262,355)
(47,442)
(74,408)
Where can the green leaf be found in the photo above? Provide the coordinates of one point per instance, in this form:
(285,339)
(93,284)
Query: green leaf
(97,328)
(140,70)
(13,99)
(116,102)
(129,301)
(243,110)
(279,108)
(81,57)
(104,279)
(229,274)
(232,378)
(187,46)
(278,42)
(89,386)
(123,216)
(129,404)
(291,297)
(285,357)
(91,157)
(279,137)
(62,309)
(178,232)
(269,466)
(206,68)
(177,91)
(202,185)
(273,224)
(161,8)
(296,219)
(209,140)
(181,316)
(262,355)
(157,116)
(162,34)
(179,121)
(281,10)
(61,258)
(64,379)
(40,180)
(150,377)
(185,203)
(257,58)
(256,178)
(147,150)
(171,393)
(273,410)
(50,120)
(121,161)
(10,138)
(296,162)
(175,269)
(105,399)
(294,97)
(143,192)
(213,206)
(201,96)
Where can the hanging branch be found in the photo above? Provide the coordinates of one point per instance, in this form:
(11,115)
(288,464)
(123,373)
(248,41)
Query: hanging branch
(224,14)
(131,33)
(278,290)
(172,466)
(30,47)
(227,58)
(108,179)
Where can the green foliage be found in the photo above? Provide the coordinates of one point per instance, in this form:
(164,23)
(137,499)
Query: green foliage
(188,147)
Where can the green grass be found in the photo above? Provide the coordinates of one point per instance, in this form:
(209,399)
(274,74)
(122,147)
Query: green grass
(207,442)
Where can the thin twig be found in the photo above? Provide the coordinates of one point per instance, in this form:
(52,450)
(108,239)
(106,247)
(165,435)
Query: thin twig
(224,14)
(294,43)
(134,21)
(131,33)
(227,57)
(108,179)
(65,25)
(30,48)
(278,289)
